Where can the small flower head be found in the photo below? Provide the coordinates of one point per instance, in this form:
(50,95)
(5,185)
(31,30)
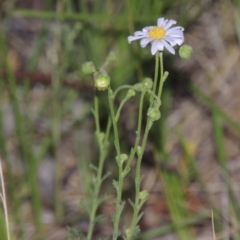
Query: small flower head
(130,93)
(88,67)
(143,195)
(147,83)
(101,79)
(185,51)
(154,114)
(160,36)
(122,158)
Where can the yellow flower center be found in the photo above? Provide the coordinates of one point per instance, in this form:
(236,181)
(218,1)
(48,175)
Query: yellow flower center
(157,33)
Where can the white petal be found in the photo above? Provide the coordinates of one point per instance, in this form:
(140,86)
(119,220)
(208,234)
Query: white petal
(160,22)
(164,23)
(160,45)
(169,24)
(175,28)
(145,41)
(174,33)
(132,38)
(179,41)
(154,47)
(146,29)
(168,47)
(174,40)
(170,40)
(139,33)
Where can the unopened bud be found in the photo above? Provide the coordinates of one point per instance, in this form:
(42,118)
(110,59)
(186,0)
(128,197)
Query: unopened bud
(147,83)
(128,231)
(101,80)
(138,86)
(130,93)
(153,114)
(122,158)
(88,67)
(143,195)
(185,51)
(139,150)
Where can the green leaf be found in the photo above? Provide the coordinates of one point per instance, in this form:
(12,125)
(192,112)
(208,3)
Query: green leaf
(100,219)
(105,176)
(132,204)
(91,166)
(115,184)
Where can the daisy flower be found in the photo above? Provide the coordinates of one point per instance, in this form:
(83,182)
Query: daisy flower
(160,36)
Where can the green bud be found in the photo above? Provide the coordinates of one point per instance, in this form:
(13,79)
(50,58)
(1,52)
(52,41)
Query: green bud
(122,158)
(185,51)
(101,79)
(88,67)
(153,114)
(139,150)
(130,93)
(128,231)
(138,86)
(143,195)
(147,83)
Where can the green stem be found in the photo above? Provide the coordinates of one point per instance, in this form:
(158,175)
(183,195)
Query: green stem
(121,88)
(138,182)
(161,76)
(138,203)
(138,133)
(97,186)
(155,75)
(120,108)
(119,204)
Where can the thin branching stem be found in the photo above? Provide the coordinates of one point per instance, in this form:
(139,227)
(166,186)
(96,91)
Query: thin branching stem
(134,149)
(97,186)
(119,204)
(138,202)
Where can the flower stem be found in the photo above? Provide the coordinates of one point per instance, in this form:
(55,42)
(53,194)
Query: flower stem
(155,75)
(138,182)
(97,186)
(138,203)
(161,76)
(119,204)
(134,149)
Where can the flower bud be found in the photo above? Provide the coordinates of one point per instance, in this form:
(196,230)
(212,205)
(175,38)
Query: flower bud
(101,80)
(130,93)
(185,51)
(128,231)
(147,83)
(88,67)
(138,86)
(153,114)
(122,158)
(139,150)
(143,195)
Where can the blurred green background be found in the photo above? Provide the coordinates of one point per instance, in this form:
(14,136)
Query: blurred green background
(192,161)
